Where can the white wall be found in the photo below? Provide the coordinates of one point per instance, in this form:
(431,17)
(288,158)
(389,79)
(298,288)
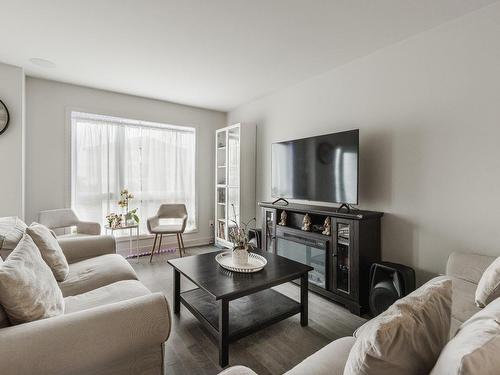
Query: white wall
(12,142)
(47,170)
(428,110)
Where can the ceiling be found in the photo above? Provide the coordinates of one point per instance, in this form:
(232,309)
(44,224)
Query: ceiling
(214,54)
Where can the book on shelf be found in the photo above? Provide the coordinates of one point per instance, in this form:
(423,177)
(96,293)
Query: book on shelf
(221,231)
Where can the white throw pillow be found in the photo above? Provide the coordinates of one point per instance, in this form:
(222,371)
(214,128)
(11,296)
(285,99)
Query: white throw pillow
(11,231)
(488,288)
(406,338)
(51,252)
(475,349)
(28,289)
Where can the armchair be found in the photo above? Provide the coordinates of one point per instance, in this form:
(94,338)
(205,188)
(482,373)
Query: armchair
(177,212)
(66,217)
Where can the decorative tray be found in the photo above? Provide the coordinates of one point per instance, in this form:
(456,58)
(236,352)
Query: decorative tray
(255,263)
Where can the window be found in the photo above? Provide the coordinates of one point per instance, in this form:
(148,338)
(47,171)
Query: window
(155,162)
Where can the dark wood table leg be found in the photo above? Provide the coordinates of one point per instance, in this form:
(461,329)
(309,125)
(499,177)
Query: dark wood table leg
(304,290)
(177,292)
(223,333)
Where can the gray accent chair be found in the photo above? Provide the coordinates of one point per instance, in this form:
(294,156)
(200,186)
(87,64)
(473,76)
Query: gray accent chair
(63,218)
(176,212)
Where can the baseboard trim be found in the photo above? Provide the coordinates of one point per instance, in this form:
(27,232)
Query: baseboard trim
(146,244)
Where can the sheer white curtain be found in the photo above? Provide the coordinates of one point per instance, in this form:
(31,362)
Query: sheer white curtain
(155,162)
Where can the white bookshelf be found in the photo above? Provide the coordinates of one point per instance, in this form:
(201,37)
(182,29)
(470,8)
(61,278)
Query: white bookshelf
(234,178)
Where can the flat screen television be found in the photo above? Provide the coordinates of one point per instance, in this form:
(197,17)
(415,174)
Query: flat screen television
(322,168)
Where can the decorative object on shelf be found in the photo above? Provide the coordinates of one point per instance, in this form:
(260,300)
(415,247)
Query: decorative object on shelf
(4,117)
(283,219)
(110,218)
(221,193)
(306,223)
(238,234)
(328,227)
(131,215)
(254,263)
(114,220)
(221,232)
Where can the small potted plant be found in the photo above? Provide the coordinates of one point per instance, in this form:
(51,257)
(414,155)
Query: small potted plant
(110,218)
(238,234)
(125,197)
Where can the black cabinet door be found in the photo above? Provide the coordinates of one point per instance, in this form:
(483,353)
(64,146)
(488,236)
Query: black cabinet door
(269,222)
(344,259)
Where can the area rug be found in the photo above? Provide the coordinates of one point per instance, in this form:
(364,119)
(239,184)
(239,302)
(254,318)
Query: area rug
(148,253)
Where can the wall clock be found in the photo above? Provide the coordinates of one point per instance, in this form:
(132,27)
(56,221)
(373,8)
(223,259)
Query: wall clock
(4,117)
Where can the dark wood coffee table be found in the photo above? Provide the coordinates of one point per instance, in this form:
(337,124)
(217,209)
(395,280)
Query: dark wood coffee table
(254,305)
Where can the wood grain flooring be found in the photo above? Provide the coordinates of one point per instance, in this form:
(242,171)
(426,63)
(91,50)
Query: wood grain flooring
(192,350)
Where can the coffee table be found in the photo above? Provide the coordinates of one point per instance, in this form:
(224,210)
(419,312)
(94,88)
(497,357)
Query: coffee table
(232,305)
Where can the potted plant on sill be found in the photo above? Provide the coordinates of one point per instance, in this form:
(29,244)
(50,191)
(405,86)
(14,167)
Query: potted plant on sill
(238,235)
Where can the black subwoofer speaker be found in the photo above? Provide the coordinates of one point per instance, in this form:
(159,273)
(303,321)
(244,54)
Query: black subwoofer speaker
(389,282)
(254,238)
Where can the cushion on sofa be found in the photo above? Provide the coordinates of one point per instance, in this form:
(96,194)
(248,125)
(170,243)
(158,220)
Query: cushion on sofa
(28,289)
(11,231)
(408,337)
(329,360)
(51,252)
(475,348)
(116,292)
(467,266)
(95,272)
(462,305)
(488,288)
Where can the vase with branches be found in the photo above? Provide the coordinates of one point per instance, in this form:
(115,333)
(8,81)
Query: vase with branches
(238,235)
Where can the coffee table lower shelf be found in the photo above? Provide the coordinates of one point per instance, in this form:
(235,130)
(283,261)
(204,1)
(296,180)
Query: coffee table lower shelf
(246,314)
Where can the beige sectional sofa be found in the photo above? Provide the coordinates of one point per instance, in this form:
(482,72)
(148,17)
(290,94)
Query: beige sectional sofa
(465,270)
(112,324)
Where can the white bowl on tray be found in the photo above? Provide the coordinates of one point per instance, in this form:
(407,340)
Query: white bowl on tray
(255,263)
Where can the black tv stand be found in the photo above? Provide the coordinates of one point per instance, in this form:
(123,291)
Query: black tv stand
(344,205)
(341,256)
(285,202)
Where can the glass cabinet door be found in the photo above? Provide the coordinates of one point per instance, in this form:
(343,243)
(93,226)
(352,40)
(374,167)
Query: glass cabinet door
(342,255)
(233,154)
(269,229)
(221,158)
(233,208)
(221,189)
(233,176)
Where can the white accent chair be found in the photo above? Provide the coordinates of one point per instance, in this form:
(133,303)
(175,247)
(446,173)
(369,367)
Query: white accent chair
(174,212)
(64,218)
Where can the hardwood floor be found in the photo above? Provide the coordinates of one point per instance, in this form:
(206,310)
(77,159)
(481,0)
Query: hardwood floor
(192,350)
